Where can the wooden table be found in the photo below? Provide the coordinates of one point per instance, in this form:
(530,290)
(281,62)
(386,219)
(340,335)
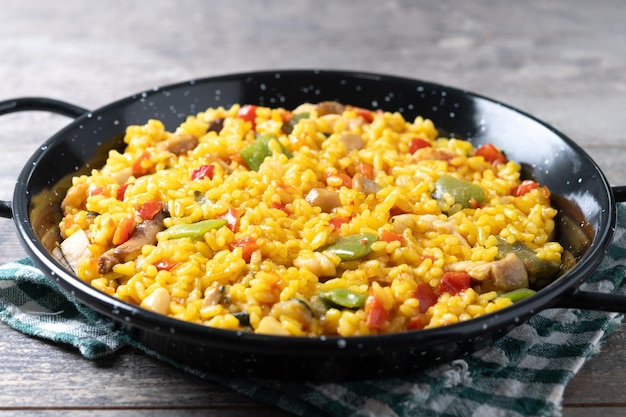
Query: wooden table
(563,61)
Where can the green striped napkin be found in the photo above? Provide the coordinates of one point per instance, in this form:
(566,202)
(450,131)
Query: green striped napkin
(523,374)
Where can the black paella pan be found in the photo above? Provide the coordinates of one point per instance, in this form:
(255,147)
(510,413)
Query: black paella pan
(585,224)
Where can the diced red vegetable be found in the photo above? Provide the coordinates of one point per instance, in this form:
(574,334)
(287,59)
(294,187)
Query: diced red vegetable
(232,216)
(281,207)
(366,114)
(247,244)
(204,171)
(425,295)
(247,112)
(166,265)
(95,190)
(473,203)
(454,282)
(149,209)
(525,187)
(336,222)
(367,170)
(123,231)
(346,180)
(490,153)
(121,191)
(142,165)
(418,143)
(416,323)
(388,236)
(375,312)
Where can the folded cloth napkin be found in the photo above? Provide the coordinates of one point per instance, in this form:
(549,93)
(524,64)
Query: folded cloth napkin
(523,374)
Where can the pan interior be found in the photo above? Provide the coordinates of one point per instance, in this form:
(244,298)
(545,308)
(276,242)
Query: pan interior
(579,189)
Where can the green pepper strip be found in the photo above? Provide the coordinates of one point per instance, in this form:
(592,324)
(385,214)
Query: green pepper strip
(352,247)
(255,153)
(198,229)
(540,271)
(342,297)
(518,295)
(288,127)
(462,191)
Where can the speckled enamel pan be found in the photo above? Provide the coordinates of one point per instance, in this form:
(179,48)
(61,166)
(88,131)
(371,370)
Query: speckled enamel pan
(585,225)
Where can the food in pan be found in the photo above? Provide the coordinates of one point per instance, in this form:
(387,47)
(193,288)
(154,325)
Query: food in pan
(328,219)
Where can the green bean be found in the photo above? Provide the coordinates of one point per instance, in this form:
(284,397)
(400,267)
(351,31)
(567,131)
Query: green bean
(518,294)
(288,127)
(352,247)
(198,229)
(255,153)
(463,192)
(342,297)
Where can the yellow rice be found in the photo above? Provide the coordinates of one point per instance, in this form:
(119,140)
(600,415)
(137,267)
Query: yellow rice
(213,283)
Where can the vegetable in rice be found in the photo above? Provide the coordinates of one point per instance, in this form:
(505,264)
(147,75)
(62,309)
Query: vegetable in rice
(326,220)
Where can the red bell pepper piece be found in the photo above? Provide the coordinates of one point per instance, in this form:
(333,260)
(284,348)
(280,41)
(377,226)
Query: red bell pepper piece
(123,231)
(232,217)
(247,244)
(142,165)
(454,282)
(375,312)
(367,170)
(425,295)
(149,209)
(166,265)
(121,191)
(336,222)
(388,236)
(247,112)
(418,143)
(490,153)
(525,187)
(204,171)
(281,207)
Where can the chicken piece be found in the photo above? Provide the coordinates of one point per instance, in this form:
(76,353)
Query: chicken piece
(319,263)
(158,301)
(352,141)
(507,274)
(181,143)
(75,249)
(212,296)
(364,185)
(327,200)
(145,234)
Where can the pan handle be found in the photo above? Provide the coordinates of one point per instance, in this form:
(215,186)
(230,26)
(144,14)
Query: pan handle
(43,104)
(33,104)
(620,193)
(588,300)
